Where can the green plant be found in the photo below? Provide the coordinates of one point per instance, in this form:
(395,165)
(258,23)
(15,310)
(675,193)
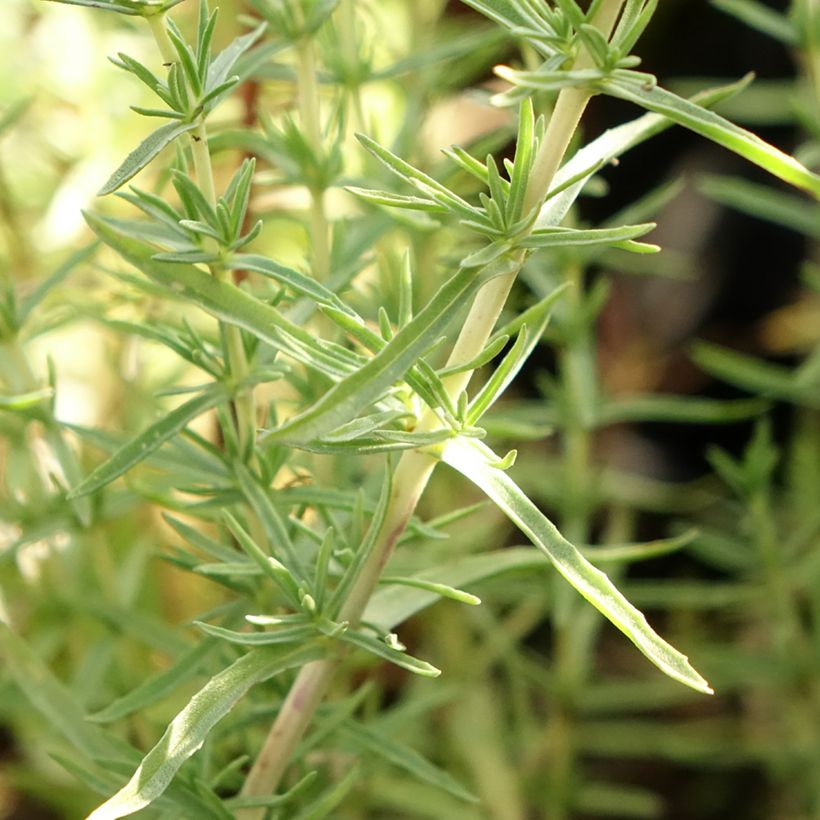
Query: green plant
(313,377)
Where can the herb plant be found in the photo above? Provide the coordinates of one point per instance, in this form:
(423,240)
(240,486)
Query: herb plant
(334,374)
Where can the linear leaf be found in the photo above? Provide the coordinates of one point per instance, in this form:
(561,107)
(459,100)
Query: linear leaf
(139,448)
(762,18)
(222,64)
(471,458)
(352,395)
(770,380)
(230,304)
(390,607)
(28,304)
(291,279)
(716,128)
(387,748)
(680,409)
(25,401)
(789,210)
(296,634)
(574,174)
(106,5)
(189,729)
(572,237)
(144,153)
(158,686)
(388,653)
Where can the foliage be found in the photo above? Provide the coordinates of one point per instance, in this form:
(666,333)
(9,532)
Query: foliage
(276,459)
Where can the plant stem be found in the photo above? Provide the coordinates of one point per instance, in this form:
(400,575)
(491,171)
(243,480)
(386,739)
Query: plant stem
(202,163)
(308,91)
(163,41)
(416,467)
(244,401)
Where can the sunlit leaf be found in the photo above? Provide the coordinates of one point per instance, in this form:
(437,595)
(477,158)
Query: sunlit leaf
(471,459)
(189,729)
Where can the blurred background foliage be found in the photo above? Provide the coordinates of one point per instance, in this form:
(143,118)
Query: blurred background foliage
(529,672)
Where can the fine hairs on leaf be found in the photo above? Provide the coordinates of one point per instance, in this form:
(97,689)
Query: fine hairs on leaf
(271,416)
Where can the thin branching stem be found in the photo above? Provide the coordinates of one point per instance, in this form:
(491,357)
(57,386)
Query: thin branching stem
(234,347)
(310,115)
(416,467)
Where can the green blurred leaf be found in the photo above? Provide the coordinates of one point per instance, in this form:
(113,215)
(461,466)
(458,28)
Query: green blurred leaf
(785,209)
(139,448)
(770,380)
(379,743)
(761,17)
(158,686)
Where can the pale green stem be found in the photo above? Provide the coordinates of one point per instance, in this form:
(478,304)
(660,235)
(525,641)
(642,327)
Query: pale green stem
(202,163)
(244,401)
(414,468)
(160,32)
(349,46)
(308,91)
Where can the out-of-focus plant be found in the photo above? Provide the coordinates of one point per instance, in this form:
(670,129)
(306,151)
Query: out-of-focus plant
(333,402)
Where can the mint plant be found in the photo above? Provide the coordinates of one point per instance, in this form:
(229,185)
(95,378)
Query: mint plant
(335,406)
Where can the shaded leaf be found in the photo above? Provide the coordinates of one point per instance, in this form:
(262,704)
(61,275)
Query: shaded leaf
(139,448)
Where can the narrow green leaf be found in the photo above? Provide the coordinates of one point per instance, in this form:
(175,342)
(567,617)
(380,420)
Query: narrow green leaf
(139,448)
(189,729)
(679,409)
(391,200)
(789,210)
(442,590)
(382,650)
(493,348)
(249,802)
(274,569)
(105,5)
(512,363)
(158,686)
(33,300)
(353,394)
(388,608)
(296,634)
(470,458)
(260,501)
(222,64)
(524,157)
(716,128)
(613,143)
(423,182)
(230,304)
(770,380)
(385,747)
(293,280)
(144,153)
(574,237)
(25,401)
(761,17)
